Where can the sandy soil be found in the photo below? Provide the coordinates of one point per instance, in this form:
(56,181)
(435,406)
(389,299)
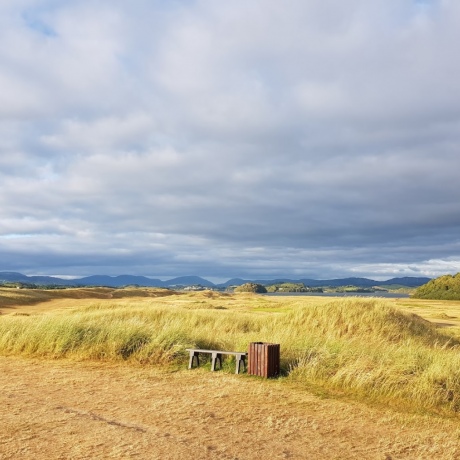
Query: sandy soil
(65,410)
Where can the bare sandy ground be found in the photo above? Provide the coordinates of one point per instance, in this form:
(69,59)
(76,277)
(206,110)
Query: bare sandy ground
(66,410)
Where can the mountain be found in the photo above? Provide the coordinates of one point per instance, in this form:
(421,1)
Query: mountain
(189,281)
(118,281)
(362,282)
(234,282)
(407,281)
(125,280)
(13,276)
(359,282)
(19,277)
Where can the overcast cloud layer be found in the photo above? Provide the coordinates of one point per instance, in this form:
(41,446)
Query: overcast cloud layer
(302,138)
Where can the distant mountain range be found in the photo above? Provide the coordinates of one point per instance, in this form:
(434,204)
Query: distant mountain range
(126,280)
(359,282)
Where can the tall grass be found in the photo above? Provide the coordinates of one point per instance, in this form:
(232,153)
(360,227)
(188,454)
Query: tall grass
(370,349)
(361,348)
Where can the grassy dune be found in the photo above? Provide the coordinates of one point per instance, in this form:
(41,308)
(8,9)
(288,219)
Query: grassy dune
(10,297)
(361,348)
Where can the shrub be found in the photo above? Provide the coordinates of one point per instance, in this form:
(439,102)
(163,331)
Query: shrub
(251,287)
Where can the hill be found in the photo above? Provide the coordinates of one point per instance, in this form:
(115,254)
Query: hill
(445,287)
(336,282)
(117,281)
(103,280)
(126,280)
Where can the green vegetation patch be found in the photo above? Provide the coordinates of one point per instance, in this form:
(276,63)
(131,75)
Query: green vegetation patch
(251,287)
(445,287)
(292,287)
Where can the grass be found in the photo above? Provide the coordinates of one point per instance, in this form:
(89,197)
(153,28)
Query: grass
(363,348)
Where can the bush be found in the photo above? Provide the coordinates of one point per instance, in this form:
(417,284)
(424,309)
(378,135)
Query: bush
(251,287)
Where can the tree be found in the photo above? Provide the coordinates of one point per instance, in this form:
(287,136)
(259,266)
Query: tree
(445,287)
(251,287)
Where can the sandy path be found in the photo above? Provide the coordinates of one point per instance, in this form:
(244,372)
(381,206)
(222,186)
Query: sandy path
(64,410)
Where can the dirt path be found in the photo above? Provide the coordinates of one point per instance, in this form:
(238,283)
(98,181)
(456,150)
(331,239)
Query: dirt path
(64,410)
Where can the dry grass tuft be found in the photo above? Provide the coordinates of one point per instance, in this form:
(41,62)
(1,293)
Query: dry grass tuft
(365,348)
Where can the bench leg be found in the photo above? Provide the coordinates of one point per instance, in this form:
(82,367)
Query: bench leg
(193,357)
(216,357)
(240,361)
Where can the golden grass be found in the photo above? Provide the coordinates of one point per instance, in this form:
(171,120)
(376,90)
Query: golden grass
(17,297)
(374,349)
(442,313)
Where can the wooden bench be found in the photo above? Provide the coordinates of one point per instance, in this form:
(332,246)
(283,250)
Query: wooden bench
(240,358)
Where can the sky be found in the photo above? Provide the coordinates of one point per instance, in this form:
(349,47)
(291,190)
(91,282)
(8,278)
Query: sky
(255,139)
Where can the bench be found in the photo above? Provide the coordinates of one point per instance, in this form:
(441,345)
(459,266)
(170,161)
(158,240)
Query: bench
(240,358)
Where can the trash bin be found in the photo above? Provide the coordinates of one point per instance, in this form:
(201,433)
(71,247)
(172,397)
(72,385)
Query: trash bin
(264,359)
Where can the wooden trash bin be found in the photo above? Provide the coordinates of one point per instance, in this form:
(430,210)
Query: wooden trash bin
(264,359)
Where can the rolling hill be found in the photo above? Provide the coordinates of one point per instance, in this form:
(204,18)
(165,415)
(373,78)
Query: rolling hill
(125,280)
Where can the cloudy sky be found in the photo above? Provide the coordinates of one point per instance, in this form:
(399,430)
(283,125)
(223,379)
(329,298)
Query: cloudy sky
(301,138)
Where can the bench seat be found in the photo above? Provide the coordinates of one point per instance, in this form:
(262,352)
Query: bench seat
(240,358)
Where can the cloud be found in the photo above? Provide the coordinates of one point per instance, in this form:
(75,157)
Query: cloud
(224,139)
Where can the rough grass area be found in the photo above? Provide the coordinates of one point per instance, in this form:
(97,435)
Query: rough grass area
(363,348)
(11,297)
